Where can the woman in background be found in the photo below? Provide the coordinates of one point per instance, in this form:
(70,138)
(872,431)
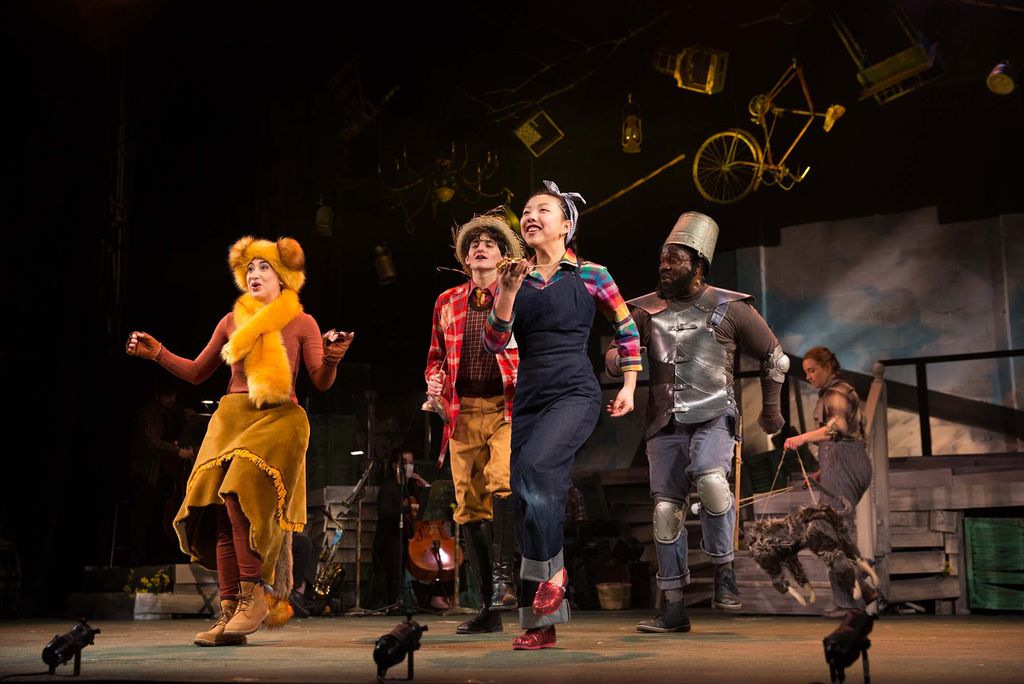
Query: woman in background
(845,470)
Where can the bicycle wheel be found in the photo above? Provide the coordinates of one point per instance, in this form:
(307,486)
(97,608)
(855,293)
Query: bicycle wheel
(727,166)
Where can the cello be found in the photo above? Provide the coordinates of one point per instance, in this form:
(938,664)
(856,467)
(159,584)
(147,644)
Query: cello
(431,551)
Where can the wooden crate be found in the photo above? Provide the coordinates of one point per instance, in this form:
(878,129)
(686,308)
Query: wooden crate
(166,605)
(924,588)
(196,588)
(921,567)
(914,538)
(928,500)
(967,491)
(917,562)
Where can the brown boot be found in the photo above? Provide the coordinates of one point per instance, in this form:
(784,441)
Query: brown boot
(215,635)
(251,612)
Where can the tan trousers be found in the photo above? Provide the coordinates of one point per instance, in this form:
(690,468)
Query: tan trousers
(479,449)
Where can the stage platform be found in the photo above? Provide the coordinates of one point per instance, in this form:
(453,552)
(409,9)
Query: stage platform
(597,647)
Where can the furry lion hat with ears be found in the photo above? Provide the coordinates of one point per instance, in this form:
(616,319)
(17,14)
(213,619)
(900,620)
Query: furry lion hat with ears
(284,256)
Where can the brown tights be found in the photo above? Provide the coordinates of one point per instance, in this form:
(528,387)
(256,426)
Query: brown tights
(236,561)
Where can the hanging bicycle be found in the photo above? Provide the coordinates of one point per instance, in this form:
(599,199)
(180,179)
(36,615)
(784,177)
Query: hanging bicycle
(731,164)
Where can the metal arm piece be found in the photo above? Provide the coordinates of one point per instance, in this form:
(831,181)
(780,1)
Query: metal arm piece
(776,365)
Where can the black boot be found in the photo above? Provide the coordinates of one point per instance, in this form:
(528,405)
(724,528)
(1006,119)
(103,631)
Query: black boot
(503,549)
(483,622)
(478,553)
(672,618)
(726,594)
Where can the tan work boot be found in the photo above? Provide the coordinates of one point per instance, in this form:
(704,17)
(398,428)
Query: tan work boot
(215,635)
(251,612)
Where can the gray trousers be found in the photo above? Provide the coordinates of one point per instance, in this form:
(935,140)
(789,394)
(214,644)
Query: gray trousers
(846,472)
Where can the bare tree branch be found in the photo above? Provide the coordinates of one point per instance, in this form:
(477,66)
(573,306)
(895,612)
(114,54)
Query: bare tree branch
(511,110)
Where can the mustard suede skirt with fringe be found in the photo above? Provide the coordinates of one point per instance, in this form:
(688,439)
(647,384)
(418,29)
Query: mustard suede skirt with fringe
(260,456)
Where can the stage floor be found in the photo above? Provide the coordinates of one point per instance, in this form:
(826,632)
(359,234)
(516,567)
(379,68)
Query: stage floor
(595,647)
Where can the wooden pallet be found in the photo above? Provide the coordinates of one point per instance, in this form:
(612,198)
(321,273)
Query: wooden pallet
(928,500)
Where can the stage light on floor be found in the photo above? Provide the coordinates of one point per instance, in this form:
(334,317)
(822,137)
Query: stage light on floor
(847,642)
(64,647)
(393,647)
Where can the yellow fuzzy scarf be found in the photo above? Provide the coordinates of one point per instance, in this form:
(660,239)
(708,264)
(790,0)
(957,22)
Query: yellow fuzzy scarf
(258,343)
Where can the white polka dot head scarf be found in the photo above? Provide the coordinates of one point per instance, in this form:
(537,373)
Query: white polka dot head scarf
(569,199)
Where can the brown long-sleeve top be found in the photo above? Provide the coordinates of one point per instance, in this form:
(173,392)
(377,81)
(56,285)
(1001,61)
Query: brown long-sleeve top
(301,334)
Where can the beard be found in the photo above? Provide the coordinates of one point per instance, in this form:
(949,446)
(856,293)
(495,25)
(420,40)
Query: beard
(678,288)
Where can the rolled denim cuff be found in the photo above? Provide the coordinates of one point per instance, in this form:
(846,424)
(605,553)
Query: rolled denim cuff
(677,582)
(718,558)
(541,571)
(530,620)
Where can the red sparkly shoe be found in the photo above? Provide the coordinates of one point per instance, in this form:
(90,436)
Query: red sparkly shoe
(549,596)
(535,639)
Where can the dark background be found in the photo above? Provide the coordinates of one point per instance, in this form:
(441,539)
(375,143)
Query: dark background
(234,114)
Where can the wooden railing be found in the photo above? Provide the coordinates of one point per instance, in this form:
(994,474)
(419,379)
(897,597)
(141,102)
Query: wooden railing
(920,365)
(873,510)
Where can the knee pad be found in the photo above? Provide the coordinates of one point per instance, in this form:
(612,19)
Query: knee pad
(713,489)
(668,521)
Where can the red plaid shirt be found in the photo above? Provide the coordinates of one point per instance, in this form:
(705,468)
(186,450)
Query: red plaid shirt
(449,325)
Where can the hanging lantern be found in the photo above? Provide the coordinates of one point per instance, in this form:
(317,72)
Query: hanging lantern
(632,126)
(324,222)
(444,178)
(384,264)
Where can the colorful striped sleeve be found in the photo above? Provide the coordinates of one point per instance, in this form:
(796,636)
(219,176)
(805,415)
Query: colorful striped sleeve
(604,290)
(497,333)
